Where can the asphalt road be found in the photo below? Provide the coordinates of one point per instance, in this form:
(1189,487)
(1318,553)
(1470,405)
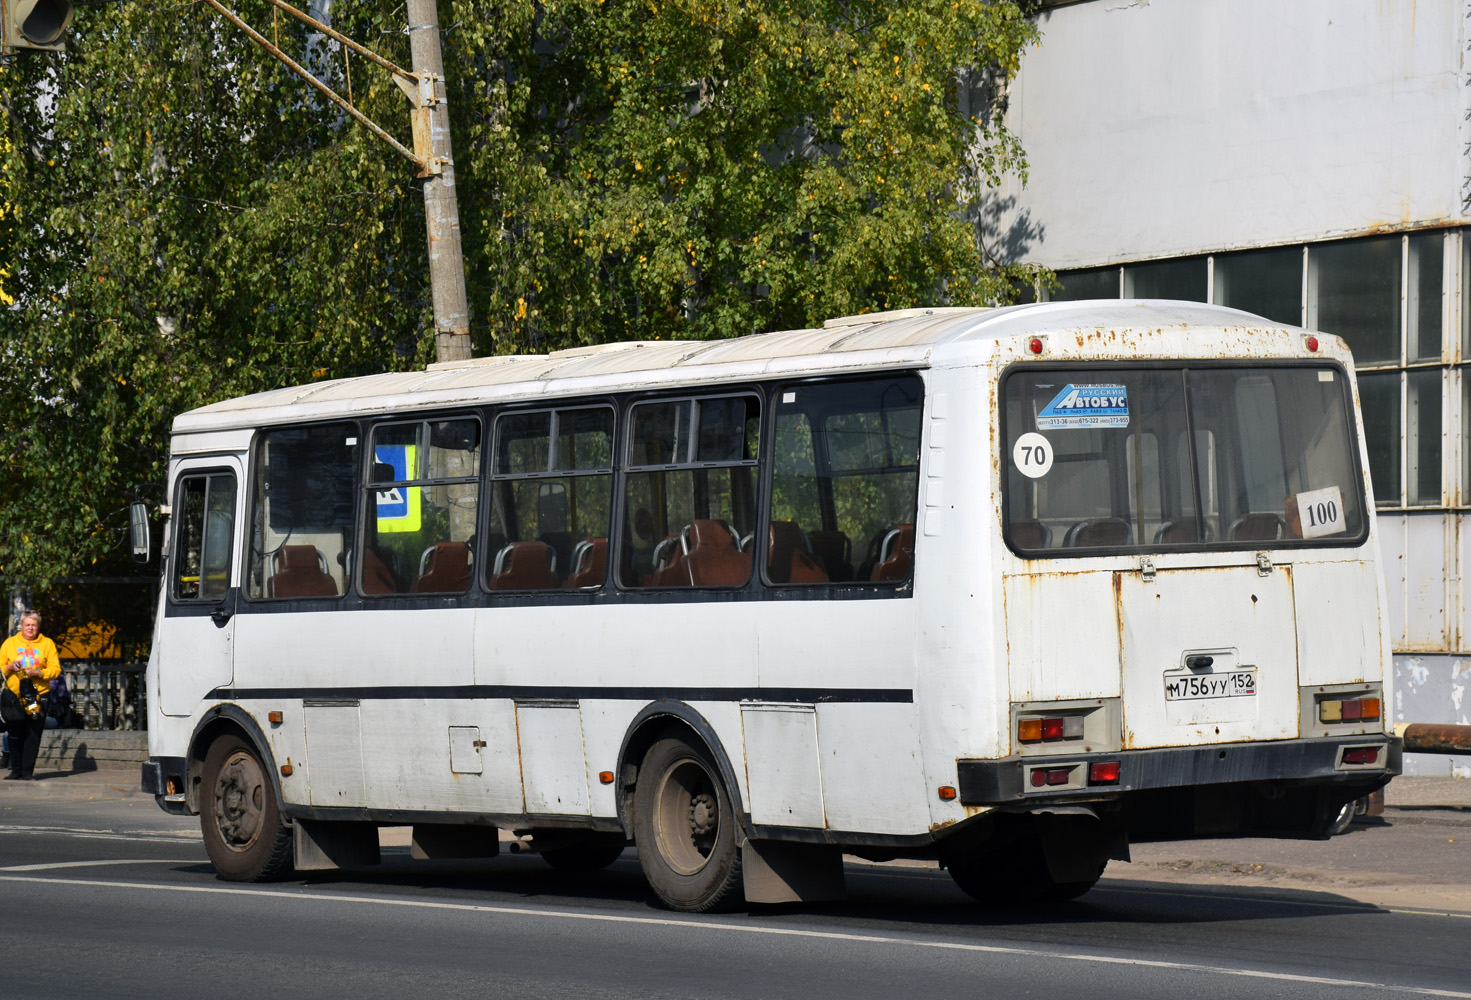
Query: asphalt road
(121,903)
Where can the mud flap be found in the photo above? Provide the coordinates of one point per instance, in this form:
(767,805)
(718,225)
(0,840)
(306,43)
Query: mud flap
(776,871)
(322,845)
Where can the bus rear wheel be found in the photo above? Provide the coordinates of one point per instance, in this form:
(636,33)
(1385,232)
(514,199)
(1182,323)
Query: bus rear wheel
(240,817)
(685,829)
(1016,876)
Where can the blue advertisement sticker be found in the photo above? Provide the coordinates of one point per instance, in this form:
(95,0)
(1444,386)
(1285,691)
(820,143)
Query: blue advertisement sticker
(1080,406)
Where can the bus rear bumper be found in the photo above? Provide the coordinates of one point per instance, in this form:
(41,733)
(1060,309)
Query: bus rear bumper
(1060,778)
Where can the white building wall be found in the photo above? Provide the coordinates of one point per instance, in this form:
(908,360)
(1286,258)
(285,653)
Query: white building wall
(1158,128)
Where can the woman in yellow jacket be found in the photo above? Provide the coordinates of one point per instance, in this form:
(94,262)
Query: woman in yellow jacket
(30,654)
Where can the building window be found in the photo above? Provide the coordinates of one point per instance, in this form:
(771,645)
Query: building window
(1391,298)
(1094,283)
(1265,282)
(1354,291)
(1187,279)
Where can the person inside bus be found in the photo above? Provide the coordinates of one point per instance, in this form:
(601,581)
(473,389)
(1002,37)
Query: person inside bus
(28,656)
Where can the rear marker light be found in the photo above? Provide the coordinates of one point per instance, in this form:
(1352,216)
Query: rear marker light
(1103,772)
(1348,710)
(1361,755)
(1035,345)
(1312,343)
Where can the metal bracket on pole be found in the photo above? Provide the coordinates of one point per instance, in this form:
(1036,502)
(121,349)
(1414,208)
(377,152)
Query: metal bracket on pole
(414,84)
(419,88)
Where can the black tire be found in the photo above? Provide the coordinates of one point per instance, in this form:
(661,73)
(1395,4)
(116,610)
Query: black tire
(595,853)
(685,828)
(241,820)
(1017,876)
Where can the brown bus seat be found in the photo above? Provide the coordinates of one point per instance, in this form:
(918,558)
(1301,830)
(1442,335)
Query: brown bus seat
(787,560)
(378,578)
(449,570)
(1099,532)
(589,564)
(1031,534)
(896,555)
(1258,526)
(711,555)
(834,549)
(524,566)
(299,573)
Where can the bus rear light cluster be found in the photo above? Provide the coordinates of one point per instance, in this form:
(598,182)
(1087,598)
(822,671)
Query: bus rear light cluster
(1066,727)
(1044,776)
(1348,710)
(1361,755)
(1104,772)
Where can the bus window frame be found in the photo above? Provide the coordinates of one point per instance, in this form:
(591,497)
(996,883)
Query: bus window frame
(255,507)
(368,505)
(821,457)
(490,477)
(1182,365)
(176,546)
(625,469)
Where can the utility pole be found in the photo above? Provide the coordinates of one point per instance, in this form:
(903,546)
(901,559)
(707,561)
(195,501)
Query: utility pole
(432,155)
(441,206)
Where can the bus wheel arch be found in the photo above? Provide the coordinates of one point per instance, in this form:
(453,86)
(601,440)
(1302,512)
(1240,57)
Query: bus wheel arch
(683,808)
(655,722)
(234,789)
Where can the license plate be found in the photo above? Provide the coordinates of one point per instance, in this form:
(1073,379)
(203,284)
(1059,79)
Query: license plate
(1222,684)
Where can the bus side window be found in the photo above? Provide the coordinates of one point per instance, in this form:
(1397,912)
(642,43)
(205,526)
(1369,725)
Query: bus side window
(206,527)
(301,528)
(845,475)
(691,492)
(421,530)
(551,499)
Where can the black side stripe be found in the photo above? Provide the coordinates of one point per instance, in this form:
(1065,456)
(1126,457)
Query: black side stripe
(466,692)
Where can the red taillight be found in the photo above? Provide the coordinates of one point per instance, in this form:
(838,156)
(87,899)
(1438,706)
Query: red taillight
(1361,755)
(1312,343)
(1035,345)
(1353,711)
(1103,772)
(1052,729)
(1059,775)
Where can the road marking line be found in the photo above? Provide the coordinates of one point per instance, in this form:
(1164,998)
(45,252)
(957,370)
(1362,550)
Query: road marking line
(94,864)
(71,831)
(710,925)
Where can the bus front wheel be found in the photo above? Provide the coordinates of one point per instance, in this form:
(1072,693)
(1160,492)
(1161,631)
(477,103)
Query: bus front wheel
(240,818)
(685,829)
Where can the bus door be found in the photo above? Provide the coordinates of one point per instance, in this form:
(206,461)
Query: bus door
(202,583)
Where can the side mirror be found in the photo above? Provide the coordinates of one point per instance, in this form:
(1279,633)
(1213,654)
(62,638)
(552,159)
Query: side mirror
(138,532)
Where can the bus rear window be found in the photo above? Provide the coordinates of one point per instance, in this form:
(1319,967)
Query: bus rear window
(1176,458)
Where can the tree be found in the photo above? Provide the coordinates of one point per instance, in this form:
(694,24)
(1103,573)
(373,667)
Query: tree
(189,222)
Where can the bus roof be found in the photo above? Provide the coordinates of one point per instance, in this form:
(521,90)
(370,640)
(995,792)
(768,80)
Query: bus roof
(903,338)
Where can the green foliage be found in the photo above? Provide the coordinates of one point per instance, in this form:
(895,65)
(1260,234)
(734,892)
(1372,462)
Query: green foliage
(185,221)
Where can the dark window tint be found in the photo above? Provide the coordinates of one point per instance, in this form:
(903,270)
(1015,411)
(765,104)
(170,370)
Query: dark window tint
(690,516)
(205,515)
(303,485)
(422,501)
(551,497)
(845,473)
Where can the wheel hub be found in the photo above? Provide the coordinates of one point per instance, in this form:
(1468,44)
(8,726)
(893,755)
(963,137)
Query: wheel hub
(704,814)
(239,801)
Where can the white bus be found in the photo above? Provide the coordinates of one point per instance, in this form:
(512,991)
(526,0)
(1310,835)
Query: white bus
(1005,588)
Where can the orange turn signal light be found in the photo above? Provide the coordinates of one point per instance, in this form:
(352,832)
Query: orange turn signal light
(947,792)
(275,717)
(286,768)
(606,777)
